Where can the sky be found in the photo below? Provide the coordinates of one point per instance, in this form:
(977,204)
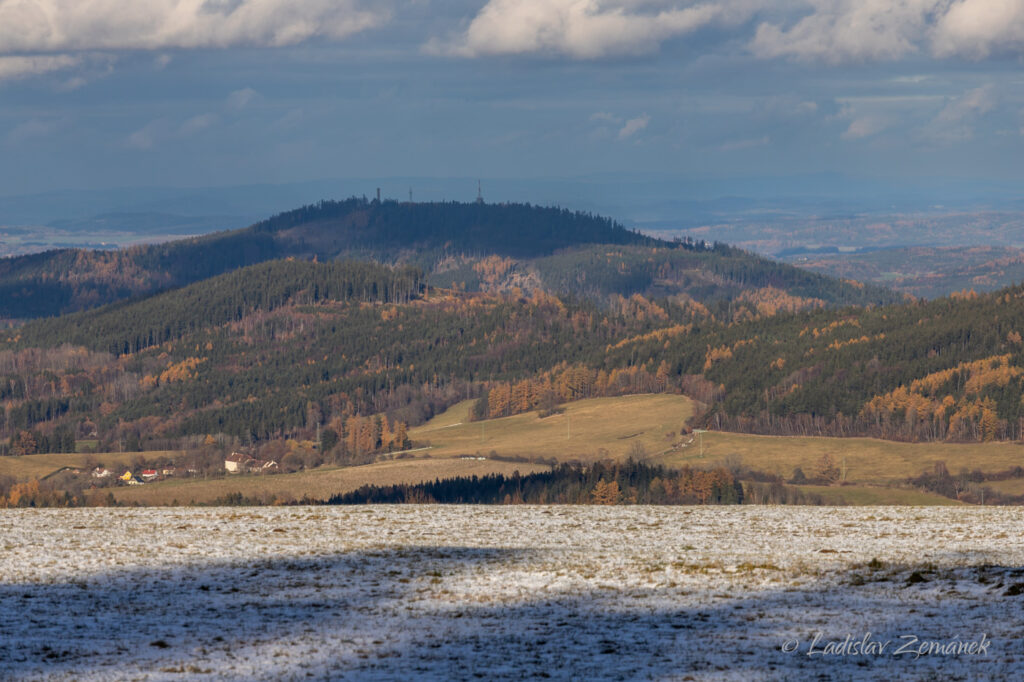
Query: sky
(187,93)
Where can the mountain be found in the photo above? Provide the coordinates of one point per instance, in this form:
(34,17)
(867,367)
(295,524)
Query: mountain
(450,241)
(66,280)
(274,349)
(291,349)
(384,314)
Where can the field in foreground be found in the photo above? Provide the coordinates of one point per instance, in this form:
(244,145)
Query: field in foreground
(508,593)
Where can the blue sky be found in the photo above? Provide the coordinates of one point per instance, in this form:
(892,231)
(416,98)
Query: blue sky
(106,93)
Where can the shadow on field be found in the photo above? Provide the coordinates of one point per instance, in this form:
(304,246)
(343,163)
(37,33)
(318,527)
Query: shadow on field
(399,614)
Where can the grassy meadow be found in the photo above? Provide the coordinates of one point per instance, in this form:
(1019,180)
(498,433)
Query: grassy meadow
(28,467)
(867,461)
(587,430)
(318,484)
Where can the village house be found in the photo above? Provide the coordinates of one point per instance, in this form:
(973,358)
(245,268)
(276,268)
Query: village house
(149,474)
(237,462)
(130,479)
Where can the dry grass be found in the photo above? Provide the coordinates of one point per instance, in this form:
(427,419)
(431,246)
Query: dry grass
(318,484)
(874,495)
(1013,486)
(586,427)
(597,428)
(867,460)
(37,466)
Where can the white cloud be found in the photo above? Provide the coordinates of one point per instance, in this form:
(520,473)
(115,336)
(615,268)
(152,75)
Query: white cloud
(956,121)
(856,30)
(844,30)
(73,83)
(586,29)
(166,130)
(870,115)
(13,68)
(830,31)
(976,28)
(145,138)
(240,99)
(28,26)
(30,129)
(634,126)
(865,126)
(197,124)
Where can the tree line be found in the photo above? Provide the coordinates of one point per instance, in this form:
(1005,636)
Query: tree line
(605,483)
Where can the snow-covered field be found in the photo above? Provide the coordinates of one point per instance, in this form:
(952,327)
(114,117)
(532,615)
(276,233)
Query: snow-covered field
(440,592)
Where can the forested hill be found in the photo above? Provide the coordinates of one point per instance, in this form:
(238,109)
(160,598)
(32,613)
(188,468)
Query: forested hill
(276,349)
(330,228)
(130,326)
(67,280)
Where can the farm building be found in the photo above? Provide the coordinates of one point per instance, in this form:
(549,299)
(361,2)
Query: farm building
(237,462)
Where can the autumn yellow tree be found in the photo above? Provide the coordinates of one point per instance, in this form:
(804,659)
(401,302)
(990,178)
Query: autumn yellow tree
(606,492)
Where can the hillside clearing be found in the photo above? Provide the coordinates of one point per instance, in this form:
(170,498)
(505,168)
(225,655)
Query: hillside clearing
(587,430)
(867,460)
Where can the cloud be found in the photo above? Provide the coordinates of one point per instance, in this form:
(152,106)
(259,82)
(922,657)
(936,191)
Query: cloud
(848,30)
(166,129)
(72,25)
(976,28)
(14,68)
(31,129)
(197,124)
(829,31)
(145,138)
(240,99)
(585,29)
(634,126)
(956,121)
(865,126)
(878,30)
(868,116)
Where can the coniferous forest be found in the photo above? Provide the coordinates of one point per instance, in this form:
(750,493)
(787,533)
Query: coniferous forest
(516,307)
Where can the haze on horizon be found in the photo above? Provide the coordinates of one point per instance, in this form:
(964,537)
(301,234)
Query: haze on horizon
(230,92)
